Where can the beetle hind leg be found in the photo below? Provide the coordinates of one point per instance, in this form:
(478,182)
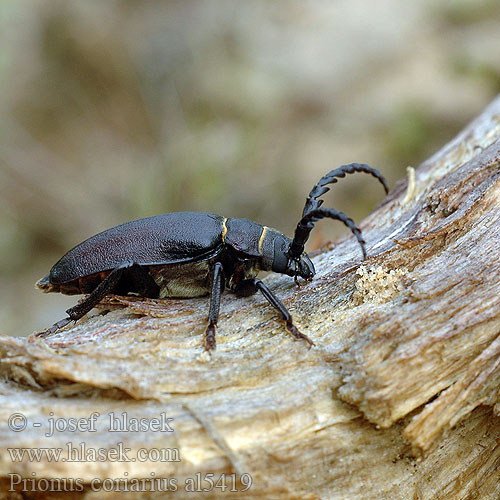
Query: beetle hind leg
(250,286)
(56,326)
(76,312)
(142,283)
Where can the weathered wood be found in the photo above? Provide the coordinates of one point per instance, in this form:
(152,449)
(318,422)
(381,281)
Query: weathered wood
(398,399)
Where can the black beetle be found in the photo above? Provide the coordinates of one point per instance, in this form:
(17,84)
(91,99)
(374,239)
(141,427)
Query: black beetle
(188,254)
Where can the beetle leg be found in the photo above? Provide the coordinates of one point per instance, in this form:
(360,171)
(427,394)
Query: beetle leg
(245,287)
(56,326)
(104,288)
(144,284)
(213,314)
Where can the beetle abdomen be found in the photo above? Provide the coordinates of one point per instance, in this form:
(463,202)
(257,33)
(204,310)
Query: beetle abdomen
(162,239)
(176,280)
(182,280)
(87,284)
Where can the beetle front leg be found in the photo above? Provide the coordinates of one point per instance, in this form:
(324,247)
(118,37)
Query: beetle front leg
(213,314)
(249,286)
(104,288)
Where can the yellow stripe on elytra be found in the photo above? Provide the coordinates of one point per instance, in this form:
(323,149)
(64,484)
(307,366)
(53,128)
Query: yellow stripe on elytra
(261,239)
(224,230)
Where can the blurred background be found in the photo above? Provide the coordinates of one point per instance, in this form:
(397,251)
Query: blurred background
(111,111)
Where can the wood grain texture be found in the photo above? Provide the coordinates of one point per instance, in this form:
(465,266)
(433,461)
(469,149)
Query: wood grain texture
(398,399)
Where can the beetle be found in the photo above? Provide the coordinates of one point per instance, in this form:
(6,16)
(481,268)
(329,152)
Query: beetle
(191,254)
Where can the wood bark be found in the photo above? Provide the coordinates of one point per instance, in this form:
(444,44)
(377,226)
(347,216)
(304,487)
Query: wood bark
(398,399)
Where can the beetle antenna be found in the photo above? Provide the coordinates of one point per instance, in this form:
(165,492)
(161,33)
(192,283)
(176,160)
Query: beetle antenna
(306,225)
(321,188)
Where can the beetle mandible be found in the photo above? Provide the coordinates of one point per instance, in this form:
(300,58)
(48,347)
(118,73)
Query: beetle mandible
(190,254)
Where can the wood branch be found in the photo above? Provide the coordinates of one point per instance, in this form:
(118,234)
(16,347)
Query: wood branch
(398,399)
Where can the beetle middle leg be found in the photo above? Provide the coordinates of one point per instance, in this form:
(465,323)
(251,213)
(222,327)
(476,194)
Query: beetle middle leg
(76,312)
(213,314)
(250,286)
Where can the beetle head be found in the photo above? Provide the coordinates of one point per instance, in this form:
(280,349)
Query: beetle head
(283,264)
(302,267)
(313,211)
